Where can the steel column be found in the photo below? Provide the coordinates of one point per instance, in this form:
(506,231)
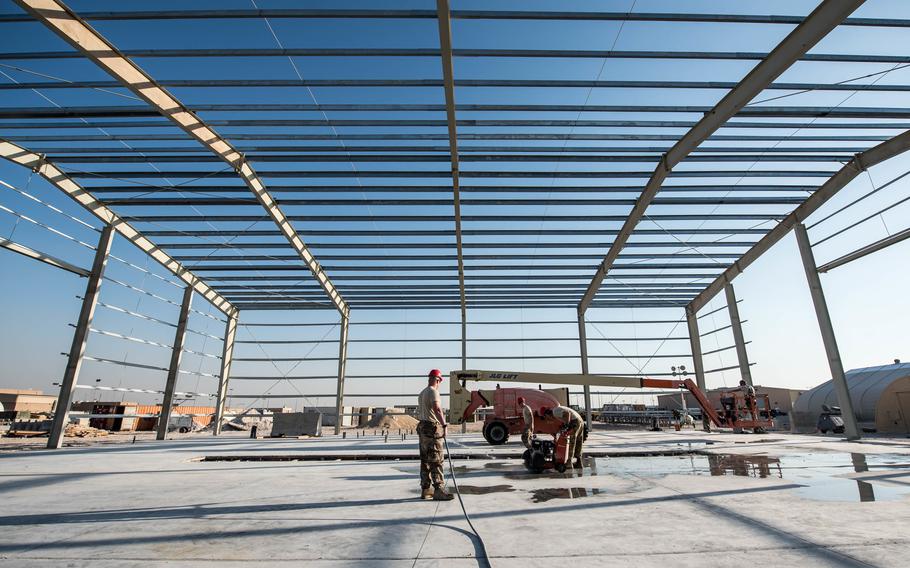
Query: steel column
(697,361)
(738,338)
(342,365)
(851,428)
(164,417)
(583,346)
(80,338)
(227,356)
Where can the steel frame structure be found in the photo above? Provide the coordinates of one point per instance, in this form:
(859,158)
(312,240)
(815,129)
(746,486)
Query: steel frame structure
(638,180)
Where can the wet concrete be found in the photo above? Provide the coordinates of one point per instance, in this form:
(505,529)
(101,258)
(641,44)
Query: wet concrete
(544,495)
(154,504)
(484,490)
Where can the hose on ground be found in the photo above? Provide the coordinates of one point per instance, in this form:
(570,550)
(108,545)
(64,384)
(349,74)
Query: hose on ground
(483,546)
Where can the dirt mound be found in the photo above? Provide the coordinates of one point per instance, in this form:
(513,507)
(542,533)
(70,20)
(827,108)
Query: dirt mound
(77,431)
(392,419)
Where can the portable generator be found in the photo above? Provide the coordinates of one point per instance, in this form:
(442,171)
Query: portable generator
(547,454)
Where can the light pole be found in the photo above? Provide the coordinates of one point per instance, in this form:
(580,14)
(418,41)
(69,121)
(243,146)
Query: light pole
(681,372)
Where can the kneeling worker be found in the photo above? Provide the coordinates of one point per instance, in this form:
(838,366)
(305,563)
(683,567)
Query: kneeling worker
(574,427)
(528,416)
(431,430)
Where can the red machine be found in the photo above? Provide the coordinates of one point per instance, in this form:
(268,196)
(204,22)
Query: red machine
(749,413)
(546,454)
(506,418)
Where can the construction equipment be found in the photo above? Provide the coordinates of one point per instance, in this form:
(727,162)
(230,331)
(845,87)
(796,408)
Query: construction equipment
(736,414)
(739,411)
(506,418)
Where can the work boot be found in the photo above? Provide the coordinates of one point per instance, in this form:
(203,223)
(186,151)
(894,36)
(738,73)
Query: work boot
(426,493)
(442,495)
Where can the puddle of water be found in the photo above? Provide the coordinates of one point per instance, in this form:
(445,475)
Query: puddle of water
(484,490)
(825,477)
(543,495)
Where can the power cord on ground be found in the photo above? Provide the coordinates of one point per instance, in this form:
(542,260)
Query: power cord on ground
(483,546)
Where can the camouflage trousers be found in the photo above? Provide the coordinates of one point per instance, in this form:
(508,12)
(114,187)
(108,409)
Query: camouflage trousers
(576,436)
(431,455)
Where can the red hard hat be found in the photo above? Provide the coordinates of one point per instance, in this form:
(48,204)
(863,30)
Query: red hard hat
(521,400)
(435,373)
(542,411)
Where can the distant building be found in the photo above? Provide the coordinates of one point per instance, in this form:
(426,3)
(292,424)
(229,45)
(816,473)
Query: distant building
(24,400)
(880,395)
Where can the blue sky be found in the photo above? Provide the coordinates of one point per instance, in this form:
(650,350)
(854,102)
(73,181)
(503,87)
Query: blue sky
(868,299)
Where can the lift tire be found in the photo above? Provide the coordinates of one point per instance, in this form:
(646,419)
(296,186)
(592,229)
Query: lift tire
(561,467)
(183,430)
(823,431)
(496,433)
(758,430)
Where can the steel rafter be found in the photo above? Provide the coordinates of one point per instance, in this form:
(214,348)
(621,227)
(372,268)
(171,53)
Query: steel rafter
(448,74)
(74,30)
(816,26)
(49,171)
(861,162)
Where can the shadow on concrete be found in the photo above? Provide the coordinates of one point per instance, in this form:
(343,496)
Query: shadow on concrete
(829,556)
(197,511)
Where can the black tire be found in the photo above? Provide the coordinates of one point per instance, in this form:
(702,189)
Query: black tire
(496,433)
(584,436)
(823,431)
(183,430)
(758,430)
(561,467)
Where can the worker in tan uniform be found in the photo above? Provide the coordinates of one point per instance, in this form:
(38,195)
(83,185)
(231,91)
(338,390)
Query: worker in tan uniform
(748,392)
(573,426)
(528,416)
(431,430)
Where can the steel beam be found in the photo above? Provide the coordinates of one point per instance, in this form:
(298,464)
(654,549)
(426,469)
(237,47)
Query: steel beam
(546,15)
(64,183)
(866,250)
(433,136)
(227,357)
(889,149)
(74,30)
(851,428)
(738,338)
(167,402)
(45,258)
(488,83)
(583,348)
(422,52)
(80,338)
(763,111)
(822,20)
(697,361)
(342,367)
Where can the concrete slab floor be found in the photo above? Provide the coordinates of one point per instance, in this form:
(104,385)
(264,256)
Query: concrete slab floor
(735,499)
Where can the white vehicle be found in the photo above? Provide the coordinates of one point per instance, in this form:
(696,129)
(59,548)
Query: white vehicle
(182,423)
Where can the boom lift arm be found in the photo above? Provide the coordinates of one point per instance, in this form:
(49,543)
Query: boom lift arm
(461,399)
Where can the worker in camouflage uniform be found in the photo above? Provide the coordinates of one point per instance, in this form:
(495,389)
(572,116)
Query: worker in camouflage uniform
(573,426)
(528,415)
(431,430)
